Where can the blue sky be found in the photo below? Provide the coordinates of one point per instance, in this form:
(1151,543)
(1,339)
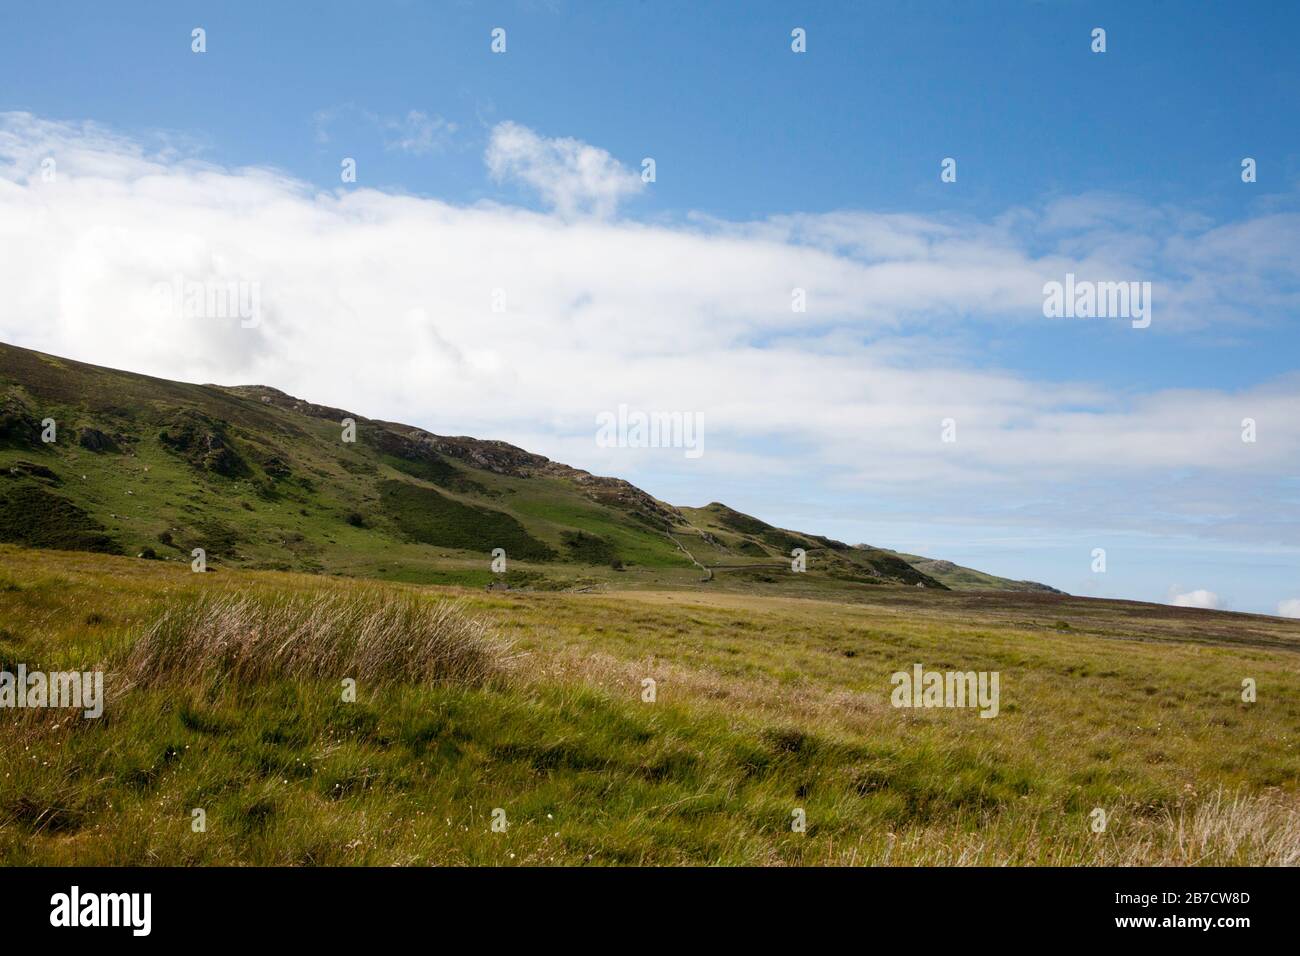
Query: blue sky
(1126,163)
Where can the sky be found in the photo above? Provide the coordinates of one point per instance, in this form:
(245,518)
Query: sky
(503,265)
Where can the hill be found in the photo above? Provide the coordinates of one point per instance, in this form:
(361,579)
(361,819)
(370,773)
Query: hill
(959,578)
(259,479)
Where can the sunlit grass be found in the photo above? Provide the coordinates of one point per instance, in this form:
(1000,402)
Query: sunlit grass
(762,706)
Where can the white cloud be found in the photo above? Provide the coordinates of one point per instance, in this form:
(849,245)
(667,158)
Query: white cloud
(571,177)
(1289,608)
(1198,598)
(382,304)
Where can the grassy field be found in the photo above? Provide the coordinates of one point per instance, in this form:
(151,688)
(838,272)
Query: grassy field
(763,706)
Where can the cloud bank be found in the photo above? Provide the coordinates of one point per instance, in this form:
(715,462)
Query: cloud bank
(498,321)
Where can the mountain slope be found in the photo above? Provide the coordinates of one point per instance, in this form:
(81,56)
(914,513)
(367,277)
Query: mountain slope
(959,578)
(257,478)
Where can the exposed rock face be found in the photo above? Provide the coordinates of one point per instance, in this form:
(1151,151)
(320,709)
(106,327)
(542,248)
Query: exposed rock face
(203,442)
(495,456)
(18,426)
(506,459)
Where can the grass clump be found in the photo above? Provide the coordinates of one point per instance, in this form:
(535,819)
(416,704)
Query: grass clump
(374,637)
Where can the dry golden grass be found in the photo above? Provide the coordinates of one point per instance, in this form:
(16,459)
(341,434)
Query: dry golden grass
(1225,828)
(377,637)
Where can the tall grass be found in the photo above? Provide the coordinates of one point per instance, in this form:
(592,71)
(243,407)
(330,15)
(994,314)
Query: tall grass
(1233,829)
(375,637)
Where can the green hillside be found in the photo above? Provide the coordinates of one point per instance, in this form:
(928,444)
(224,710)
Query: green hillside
(150,468)
(959,578)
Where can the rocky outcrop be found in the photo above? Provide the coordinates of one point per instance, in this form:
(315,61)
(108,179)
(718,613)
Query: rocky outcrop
(18,426)
(204,443)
